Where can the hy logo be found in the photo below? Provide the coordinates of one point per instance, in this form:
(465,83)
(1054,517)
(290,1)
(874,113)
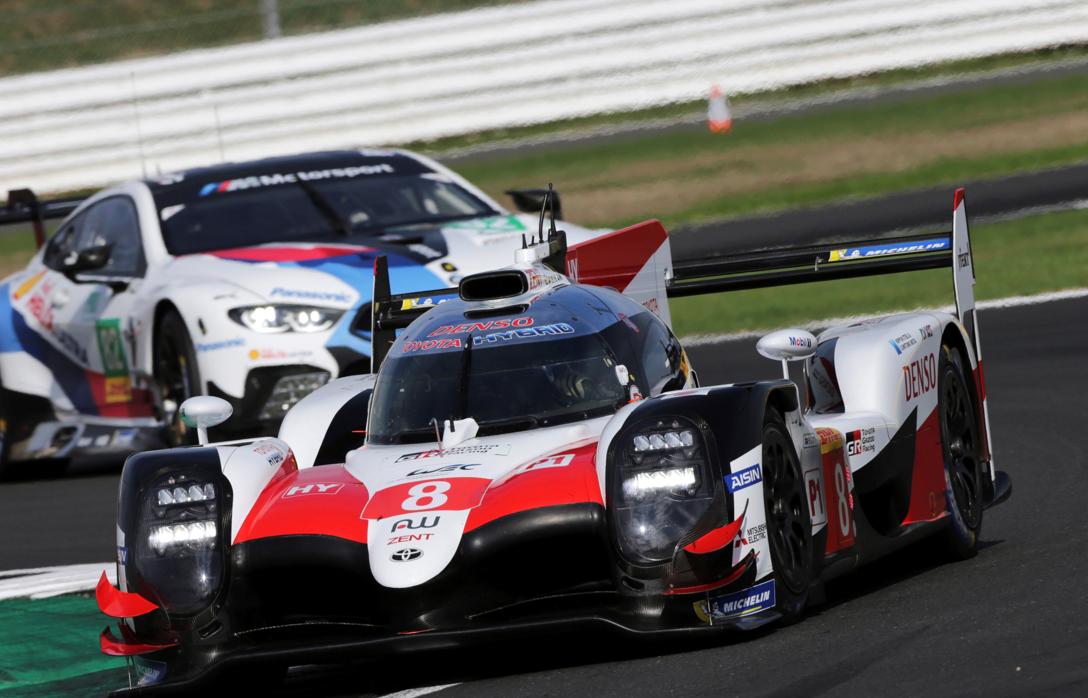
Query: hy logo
(313,488)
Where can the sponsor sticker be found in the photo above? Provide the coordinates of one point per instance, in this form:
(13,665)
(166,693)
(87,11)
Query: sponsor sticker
(919,377)
(309,295)
(737,481)
(148,672)
(490,449)
(860,441)
(410,538)
(741,603)
(456,467)
(280,178)
(559,328)
(501,324)
(223,344)
(903,342)
(25,287)
(817,508)
(494,225)
(312,488)
(111,347)
(412,524)
(558,461)
(870,251)
(122,555)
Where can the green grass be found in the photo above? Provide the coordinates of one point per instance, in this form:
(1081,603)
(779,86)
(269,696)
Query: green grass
(887,78)
(809,158)
(51,34)
(1041,253)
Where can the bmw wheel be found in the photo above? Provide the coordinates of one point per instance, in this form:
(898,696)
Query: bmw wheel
(789,524)
(962,462)
(177,375)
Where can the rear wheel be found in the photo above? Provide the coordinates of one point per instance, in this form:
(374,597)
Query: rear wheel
(789,524)
(177,375)
(961,450)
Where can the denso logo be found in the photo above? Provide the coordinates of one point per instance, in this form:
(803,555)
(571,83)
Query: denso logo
(743,478)
(313,488)
(919,377)
(483,326)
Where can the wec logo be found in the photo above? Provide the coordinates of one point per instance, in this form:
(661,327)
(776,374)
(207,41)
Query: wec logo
(743,478)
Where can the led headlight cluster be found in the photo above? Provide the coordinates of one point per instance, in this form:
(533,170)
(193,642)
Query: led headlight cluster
(183,517)
(663,488)
(273,319)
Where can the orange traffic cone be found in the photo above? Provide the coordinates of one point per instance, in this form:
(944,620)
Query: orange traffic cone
(719,118)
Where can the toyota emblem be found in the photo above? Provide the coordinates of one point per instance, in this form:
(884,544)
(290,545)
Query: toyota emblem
(406,554)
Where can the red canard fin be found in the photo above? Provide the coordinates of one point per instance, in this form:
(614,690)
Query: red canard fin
(716,539)
(120,604)
(126,646)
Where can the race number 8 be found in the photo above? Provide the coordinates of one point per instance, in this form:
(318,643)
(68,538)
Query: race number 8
(426,495)
(843,506)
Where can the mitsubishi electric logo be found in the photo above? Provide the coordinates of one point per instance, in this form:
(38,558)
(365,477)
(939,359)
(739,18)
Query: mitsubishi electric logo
(406,554)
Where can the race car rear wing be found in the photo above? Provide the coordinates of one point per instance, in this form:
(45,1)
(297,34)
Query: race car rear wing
(23,206)
(847,261)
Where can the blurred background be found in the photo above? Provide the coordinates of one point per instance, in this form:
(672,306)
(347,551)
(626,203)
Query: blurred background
(846,119)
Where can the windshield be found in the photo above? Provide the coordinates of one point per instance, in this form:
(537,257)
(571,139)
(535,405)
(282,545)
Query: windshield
(311,211)
(504,388)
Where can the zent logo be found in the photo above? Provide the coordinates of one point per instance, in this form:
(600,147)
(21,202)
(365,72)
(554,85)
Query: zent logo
(743,478)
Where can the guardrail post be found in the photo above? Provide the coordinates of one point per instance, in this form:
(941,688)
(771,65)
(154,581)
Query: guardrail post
(270,16)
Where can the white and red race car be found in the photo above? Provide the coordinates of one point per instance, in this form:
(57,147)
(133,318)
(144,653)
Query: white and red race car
(535,454)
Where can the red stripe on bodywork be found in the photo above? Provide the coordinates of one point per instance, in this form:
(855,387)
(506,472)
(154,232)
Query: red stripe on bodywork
(120,604)
(613,260)
(288,254)
(126,646)
(295,505)
(980,388)
(544,482)
(927,490)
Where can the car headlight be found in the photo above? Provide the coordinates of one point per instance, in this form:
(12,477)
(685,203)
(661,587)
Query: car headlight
(664,487)
(285,318)
(179,548)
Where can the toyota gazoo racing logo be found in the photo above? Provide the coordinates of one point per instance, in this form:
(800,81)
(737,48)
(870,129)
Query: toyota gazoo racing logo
(406,555)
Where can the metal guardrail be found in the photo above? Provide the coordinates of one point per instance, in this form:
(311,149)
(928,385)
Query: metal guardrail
(464,72)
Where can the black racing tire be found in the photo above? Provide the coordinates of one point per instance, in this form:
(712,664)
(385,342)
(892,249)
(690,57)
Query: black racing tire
(177,375)
(789,522)
(961,448)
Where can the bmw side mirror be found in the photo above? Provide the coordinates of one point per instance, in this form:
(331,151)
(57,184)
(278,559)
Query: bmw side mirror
(204,411)
(787,345)
(532,200)
(87,259)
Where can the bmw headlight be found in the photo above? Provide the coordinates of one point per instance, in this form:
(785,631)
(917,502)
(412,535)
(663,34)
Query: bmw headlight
(663,488)
(180,542)
(273,319)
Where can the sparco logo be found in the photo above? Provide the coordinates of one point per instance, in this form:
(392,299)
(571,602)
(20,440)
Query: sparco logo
(406,554)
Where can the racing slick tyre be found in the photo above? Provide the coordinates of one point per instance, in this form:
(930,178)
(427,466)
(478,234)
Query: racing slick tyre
(5,468)
(789,523)
(962,462)
(177,375)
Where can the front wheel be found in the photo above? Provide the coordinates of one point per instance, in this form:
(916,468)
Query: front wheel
(789,524)
(960,447)
(177,375)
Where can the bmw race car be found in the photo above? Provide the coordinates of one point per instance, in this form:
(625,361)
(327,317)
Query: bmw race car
(247,281)
(536,454)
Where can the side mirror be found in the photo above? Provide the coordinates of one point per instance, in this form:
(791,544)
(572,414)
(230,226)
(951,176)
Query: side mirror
(787,345)
(88,259)
(531,200)
(204,411)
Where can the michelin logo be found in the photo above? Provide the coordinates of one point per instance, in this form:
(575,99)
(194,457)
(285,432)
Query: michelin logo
(741,603)
(743,478)
(849,253)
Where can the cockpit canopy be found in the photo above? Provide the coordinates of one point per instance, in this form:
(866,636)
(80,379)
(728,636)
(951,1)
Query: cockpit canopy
(571,353)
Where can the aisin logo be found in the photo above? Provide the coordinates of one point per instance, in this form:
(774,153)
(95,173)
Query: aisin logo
(406,554)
